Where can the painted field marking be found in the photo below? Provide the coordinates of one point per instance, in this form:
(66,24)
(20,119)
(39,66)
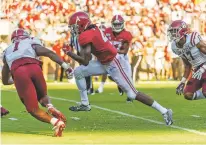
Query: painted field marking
(13,119)
(196,116)
(75,118)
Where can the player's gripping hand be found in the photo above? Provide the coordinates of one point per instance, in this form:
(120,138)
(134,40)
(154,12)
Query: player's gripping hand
(180,89)
(66,48)
(181,86)
(198,74)
(69,73)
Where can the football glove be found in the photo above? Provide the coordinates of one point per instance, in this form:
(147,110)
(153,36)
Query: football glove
(180,88)
(198,74)
(66,48)
(69,73)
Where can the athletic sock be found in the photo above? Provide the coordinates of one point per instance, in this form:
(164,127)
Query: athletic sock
(159,108)
(84,97)
(81,83)
(198,95)
(101,87)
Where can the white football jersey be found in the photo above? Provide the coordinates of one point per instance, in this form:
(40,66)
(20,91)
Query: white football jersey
(21,49)
(189,51)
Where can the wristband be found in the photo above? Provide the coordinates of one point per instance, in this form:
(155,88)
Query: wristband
(204,67)
(183,80)
(65,65)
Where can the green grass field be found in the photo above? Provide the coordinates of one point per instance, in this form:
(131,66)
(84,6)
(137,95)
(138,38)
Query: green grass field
(111,120)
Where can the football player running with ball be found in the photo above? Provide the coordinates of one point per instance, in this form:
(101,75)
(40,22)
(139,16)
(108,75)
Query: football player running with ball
(22,63)
(192,49)
(120,39)
(93,41)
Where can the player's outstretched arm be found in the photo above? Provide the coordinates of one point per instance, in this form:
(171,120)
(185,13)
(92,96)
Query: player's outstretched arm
(6,74)
(85,54)
(42,51)
(187,70)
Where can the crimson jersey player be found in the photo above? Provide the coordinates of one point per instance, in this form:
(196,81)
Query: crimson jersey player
(120,38)
(192,49)
(22,63)
(93,41)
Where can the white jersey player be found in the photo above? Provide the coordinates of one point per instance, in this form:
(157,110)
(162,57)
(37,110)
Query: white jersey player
(192,49)
(11,54)
(21,61)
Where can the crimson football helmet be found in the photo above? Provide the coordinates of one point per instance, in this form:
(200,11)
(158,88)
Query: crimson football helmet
(79,22)
(19,34)
(117,23)
(177,30)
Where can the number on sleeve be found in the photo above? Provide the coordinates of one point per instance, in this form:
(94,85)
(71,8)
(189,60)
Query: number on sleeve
(16,46)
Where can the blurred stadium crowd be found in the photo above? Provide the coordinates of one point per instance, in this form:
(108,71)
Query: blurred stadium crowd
(147,20)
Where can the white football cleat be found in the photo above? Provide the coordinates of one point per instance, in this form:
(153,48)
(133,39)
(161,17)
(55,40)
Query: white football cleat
(99,90)
(58,128)
(168,117)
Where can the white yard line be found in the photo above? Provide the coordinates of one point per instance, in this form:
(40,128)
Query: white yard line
(132,116)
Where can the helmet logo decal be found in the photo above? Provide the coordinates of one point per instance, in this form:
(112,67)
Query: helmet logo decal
(77,19)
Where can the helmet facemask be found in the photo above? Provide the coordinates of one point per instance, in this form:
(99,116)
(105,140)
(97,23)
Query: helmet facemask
(174,34)
(74,29)
(117,26)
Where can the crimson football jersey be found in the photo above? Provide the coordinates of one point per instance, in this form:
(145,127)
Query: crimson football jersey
(102,48)
(117,41)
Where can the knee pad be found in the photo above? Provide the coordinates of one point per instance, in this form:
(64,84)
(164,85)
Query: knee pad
(188,96)
(78,73)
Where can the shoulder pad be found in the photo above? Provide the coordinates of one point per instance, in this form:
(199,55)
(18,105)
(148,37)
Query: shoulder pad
(35,40)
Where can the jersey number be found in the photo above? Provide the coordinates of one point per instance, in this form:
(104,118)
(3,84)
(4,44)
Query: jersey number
(16,46)
(188,56)
(103,36)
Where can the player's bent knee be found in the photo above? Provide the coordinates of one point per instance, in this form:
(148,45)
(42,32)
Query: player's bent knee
(188,96)
(78,74)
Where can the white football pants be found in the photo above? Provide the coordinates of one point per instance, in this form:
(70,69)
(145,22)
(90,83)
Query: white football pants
(117,69)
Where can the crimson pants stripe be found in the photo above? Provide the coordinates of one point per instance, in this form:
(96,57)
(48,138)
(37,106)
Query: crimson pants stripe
(124,75)
(191,38)
(193,41)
